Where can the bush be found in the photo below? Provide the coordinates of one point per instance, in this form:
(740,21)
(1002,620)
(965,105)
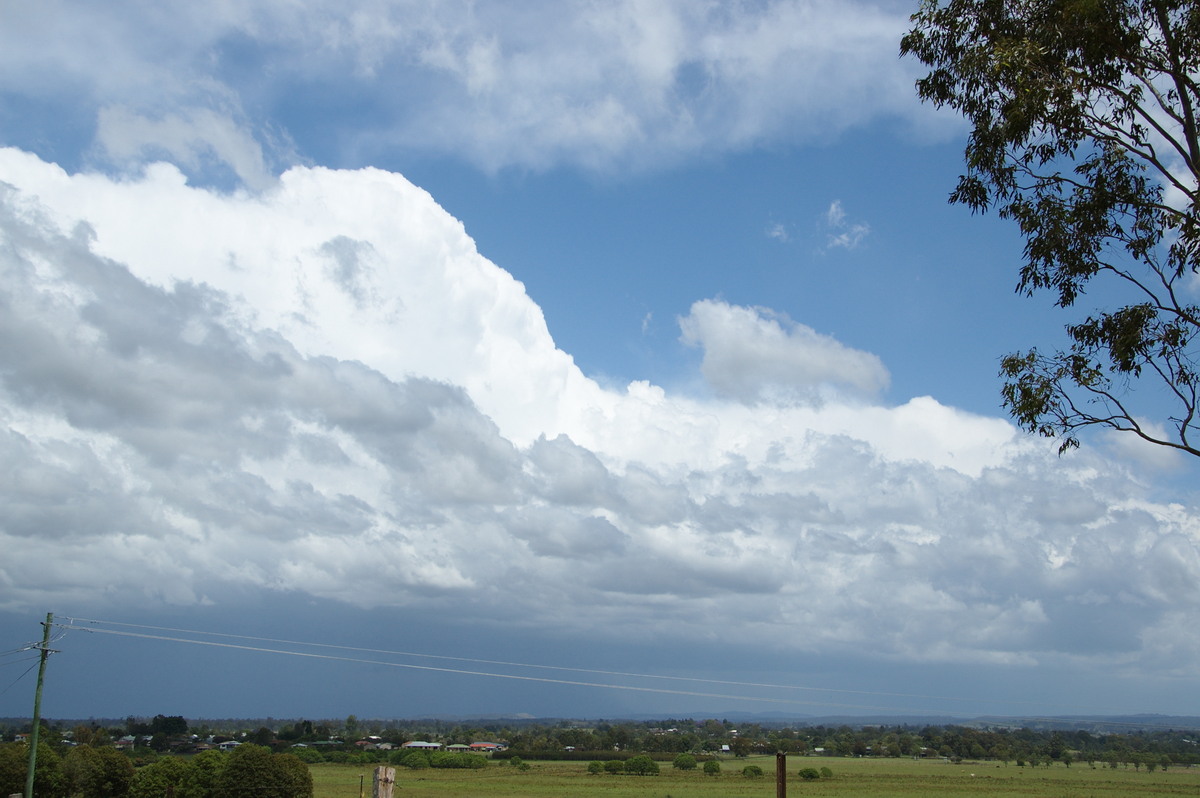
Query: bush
(414,760)
(445,759)
(98,772)
(293,775)
(48,779)
(310,756)
(204,771)
(809,774)
(518,763)
(752,772)
(684,762)
(614,766)
(712,767)
(161,778)
(595,767)
(252,771)
(641,766)
(826,773)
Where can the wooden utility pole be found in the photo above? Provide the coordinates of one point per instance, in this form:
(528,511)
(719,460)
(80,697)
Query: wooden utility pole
(780,774)
(37,706)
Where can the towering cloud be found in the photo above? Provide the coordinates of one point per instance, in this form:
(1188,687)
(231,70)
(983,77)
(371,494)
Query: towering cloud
(324,385)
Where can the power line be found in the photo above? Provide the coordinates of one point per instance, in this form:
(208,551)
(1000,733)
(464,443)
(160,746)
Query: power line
(94,627)
(464,672)
(21,650)
(13,683)
(730,683)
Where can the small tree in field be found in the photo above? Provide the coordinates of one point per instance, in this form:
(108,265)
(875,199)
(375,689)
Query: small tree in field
(684,762)
(712,768)
(641,765)
(752,772)
(252,771)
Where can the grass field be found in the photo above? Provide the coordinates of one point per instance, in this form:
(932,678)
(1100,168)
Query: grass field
(854,778)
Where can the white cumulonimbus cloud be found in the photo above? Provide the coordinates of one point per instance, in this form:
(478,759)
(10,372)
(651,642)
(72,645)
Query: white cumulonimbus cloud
(324,385)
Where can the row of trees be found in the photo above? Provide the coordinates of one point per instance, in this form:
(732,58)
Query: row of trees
(664,738)
(709,736)
(249,771)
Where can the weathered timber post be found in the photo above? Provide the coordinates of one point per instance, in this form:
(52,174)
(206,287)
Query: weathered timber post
(385,777)
(780,774)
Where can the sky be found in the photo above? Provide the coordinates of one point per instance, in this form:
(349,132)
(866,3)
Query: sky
(580,359)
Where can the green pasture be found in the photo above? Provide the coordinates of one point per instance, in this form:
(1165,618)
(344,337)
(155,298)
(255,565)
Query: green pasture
(895,778)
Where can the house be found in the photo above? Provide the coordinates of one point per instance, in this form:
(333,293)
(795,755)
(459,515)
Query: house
(487,747)
(422,745)
(229,745)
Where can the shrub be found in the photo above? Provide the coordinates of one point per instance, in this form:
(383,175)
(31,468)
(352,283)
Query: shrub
(712,767)
(204,771)
(310,756)
(809,774)
(48,779)
(826,773)
(518,763)
(99,772)
(252,771)
(752,772)
(161,778)
(614,766)
(414,760)
(595,767)
(684,762)
(446,759)
(641,766)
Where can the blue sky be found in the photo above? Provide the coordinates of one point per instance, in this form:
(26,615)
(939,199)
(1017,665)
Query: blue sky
(627,337)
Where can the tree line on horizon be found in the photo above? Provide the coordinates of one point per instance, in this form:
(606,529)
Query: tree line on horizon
(355,741)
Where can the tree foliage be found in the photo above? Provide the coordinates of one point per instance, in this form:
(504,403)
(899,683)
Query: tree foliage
(252,771)
(14,766)
(97,772)
(684,762)
(641,765)
(1084,132)
(166,776)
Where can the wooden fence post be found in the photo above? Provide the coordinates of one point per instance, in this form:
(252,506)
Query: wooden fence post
(781,774)
(385,777)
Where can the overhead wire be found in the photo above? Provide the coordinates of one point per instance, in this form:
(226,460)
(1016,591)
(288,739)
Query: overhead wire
(94,626)
(21,650)
(26,672)
(693,679)
(464,672)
